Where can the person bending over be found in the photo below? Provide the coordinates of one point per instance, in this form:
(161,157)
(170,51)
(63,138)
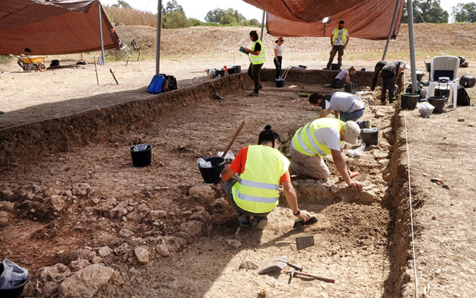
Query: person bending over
(261,168)
(344,77)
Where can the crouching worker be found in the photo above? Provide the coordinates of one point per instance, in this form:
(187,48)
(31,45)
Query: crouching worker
(346,106)
(261,168)
(343,77)
(318,138)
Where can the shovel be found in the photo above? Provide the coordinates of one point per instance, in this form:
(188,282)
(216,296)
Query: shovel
(276,264)
(214,91)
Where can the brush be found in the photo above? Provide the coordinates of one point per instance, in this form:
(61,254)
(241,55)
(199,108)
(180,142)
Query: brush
(299,223)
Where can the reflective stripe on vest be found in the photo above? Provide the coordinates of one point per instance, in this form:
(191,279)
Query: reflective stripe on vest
(257,59)
(344,35)
(304,141)
(257,189)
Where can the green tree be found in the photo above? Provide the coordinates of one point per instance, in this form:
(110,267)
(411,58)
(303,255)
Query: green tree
(122,4)
(428,11)
(176,19)
(196,22)
(465,13)
(224,17)
(171,6)
(255,23)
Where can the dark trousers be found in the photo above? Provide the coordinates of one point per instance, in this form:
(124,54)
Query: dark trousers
(377,69)
(338,83)
(389,79)
(254,73)
(278,65)
(336,49)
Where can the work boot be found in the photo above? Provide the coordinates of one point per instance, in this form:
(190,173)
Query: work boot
(244,220)
(259,222)
(253,94)
(260,86)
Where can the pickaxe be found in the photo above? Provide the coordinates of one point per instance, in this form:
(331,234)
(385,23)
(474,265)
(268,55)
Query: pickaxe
(295,272)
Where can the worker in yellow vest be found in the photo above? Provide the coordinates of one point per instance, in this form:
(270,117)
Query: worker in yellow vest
(257,60)
(319,138)
(339,40)
(261,168)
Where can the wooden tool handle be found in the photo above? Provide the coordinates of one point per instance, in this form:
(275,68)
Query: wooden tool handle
(234,138)
(316,277)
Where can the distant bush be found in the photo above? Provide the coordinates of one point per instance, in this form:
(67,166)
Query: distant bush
(129,16)
(175,19)
(5,59)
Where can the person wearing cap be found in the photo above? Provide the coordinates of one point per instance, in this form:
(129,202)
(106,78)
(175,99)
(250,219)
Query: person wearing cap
(389,73)
(343,77)
(278,56)
(317,139)
(339,40)
(257,60)
(346,106)
(261,168)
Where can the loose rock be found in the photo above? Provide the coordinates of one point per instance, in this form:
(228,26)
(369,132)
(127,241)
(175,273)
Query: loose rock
(162,250)
(202,215)
(104,251)
(203,193)
(233,243)
(49,289)
(248,264)
(86,282)
(126,233)
(158,214)
(142,254)
(193,228)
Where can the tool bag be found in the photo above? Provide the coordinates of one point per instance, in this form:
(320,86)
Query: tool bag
(156,84)
(419,90)
(170,83)
(463,98)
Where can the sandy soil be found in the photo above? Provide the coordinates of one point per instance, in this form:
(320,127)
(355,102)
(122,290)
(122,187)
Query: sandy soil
(364,246)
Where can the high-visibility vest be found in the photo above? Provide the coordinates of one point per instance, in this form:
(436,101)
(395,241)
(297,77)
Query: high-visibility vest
(257,59)
(344,35)
(257,189)
(305,142)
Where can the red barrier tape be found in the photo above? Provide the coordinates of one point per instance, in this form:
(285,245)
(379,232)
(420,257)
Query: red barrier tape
(304,50)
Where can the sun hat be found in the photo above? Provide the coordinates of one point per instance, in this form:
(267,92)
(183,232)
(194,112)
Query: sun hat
(352,131)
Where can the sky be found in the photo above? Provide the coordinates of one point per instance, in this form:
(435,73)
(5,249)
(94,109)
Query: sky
(198,8)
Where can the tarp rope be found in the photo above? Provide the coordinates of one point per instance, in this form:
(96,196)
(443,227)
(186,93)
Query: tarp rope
(429,31)
(411,208)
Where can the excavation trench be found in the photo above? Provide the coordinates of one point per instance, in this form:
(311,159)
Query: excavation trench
(72,191)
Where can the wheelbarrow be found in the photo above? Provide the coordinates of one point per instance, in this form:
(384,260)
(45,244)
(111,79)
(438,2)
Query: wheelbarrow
(28,63)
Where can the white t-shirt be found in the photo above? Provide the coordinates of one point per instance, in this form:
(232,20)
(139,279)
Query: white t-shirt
(328,136)
(280,50)
(339,41)
(344,102)
(341,75)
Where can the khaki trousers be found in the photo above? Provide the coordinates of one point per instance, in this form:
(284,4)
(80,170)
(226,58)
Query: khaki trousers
(311,166)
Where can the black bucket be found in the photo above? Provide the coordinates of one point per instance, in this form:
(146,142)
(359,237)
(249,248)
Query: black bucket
(212,175)
(348,88)
(438,103)
(220,72)
(141,158)
(13,292)
(369,136)
(419,75)
(467,81)
(237,68)
(231,70)
(279,82)
(335,66)
(409,101)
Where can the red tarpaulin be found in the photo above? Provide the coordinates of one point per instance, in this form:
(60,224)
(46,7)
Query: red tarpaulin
(369,19)
(51,27)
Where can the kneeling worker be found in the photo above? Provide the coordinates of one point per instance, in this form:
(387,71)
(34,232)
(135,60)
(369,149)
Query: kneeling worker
(343,77)
(317,139)
(262,169)
(346,106)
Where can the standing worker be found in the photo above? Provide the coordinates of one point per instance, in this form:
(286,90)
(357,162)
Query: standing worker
(262,169)
(318,138)
(346,106)
(343,77)
(390,72)
(339,40)
(257,60)
(378,67)
(278,57)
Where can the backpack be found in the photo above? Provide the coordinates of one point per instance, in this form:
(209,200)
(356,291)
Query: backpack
(170,83)
(463,98)
(155,85)
(419,90)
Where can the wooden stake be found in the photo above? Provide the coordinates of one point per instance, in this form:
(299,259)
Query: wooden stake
(138,56)
(110,70)
(96,68)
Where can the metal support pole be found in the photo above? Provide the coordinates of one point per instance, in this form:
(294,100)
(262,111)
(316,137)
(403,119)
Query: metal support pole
(262,25)
(100,32)
(411,36)
(391,30)
(157,45)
